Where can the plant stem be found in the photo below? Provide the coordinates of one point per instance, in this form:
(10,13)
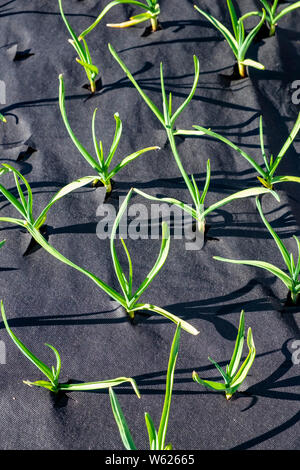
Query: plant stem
(228,395)
(294,297)
(272,30)
(154,24)
(93,85)
(242,70)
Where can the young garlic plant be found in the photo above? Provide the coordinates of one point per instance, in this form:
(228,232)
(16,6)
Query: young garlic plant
(2,118)
(52,374)
(168,120)
(157,439)
(101,165)
(234,376)
(267,171)
(272,14)
(291,280)
(129,299)
(238,41)
(84,56)
(151,13)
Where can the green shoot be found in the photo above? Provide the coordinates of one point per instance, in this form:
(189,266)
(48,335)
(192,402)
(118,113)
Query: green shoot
(151,13)
(272,14)
(157,439)
(100,165)
(2,118)
(233,377)
(84,56)
(128,300)
(290,280)
(168,120)
(238,41)
(53,373)
(266,172)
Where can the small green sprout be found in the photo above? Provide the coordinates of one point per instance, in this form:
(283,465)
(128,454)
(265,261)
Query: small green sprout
(2,118)
(102,165)
(233,377)
(266,173)
(157,439)
(168,120)
(53,373)
(239,42)
(129,299)
(290,280)
(84,56)
(272,15)
(152,12)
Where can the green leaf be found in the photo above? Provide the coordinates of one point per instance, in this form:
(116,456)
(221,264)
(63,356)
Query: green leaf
(286,10)
(235,147)
(169,200)
(224,375)
(106,9)
(94,164)
(284,252)
(76,43)
(226,33)
(13,200)
(147,100)
(253,63)
(209,383)
(92,68)
(116,140)
(153,308)
(238,348)
(121,421)
(41,383)
(118,269)
(243,372)
(2,118)
(27,353)
(233,17)
(286,145)
(256,191)
(207,183)
(98,148)
(282,179)
(192,92)
(99,385)
(163,254)
(28,206)
(2,243)
(162,431)
(63,192)
(261,264)
(137,19)
(129,158)
(152,433)
(243,50)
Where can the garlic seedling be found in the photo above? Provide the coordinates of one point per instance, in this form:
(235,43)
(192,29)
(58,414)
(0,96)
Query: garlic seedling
(238,41)
(234,376)
(84,56)
(266,172)
(272,14)
(157,439)
(100,165)
(291,279)
(52,374)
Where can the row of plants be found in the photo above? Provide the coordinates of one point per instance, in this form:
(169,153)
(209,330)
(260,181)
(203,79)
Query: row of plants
(234,375)
(238,40)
